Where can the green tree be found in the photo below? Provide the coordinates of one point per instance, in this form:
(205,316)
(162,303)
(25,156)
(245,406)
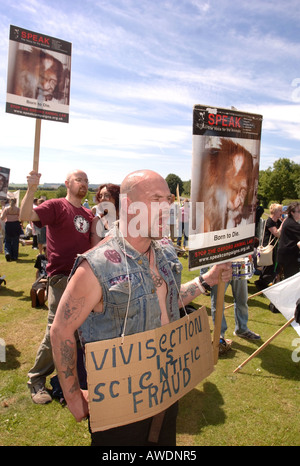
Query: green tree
(282,180)
(297,186)
(187,187)
(42,193)
(263,186)
(173,181)
(61,191)
(279,183)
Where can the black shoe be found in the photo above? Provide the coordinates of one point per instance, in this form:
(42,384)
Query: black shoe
(7,257)
(260,285)
(273,309)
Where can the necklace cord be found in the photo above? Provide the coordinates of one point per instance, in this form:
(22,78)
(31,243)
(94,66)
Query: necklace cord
(129,291)
(129,286)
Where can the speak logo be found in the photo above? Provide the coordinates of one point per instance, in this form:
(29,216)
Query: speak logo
(296,352)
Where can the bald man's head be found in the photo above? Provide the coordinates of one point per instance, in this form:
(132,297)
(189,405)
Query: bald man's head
(77,184)
(148,200)
(141,182)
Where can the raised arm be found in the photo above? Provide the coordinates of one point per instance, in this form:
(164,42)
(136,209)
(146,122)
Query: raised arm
(193,288)
(81,296)
(27,213)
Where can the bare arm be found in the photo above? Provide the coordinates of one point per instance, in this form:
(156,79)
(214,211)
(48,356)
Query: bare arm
(191,289)
(82,294)
(4,214)
(276,231)
(27,213)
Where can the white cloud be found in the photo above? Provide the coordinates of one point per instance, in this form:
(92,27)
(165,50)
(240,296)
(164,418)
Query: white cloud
(139,67)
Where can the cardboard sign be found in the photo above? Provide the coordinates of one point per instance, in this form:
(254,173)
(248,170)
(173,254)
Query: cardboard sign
(39,74)
(143,374)
(225,168)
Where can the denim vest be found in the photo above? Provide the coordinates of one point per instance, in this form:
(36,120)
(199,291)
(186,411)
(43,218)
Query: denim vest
(111,263)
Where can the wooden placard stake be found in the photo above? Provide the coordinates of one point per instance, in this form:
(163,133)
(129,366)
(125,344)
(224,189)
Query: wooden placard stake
(37,139)
(265,344)
(218,318)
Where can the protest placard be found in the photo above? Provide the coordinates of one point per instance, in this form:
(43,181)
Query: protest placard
(138,376)
(225,168)
(4,181)
(39,73)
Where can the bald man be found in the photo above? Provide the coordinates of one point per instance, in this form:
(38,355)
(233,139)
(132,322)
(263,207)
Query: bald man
(135,248)
(68,234)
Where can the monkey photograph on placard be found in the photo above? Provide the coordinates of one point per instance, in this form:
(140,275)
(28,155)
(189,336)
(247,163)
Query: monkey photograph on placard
(4,179)
(39,75)
(225,170)
(227,184)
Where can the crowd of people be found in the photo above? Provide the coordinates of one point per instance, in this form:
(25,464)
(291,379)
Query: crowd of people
(282,231)
(83,250)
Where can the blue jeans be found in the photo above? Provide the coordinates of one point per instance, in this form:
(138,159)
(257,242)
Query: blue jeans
(240,296)
(183,230)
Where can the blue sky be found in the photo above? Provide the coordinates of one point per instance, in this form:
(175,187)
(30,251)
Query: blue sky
(139,67)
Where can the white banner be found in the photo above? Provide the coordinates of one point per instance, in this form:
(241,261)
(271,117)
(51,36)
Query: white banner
(284,296)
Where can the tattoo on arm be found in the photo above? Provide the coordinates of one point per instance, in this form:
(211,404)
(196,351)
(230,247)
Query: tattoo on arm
(189,291)
(68,372)
(75,386)
(72,308)
(67,353)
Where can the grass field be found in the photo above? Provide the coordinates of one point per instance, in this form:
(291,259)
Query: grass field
(259,405)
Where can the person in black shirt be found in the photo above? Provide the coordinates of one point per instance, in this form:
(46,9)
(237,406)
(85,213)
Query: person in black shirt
(258,213)
(289,243)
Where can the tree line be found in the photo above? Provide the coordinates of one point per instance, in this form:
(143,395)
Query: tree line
(280,184)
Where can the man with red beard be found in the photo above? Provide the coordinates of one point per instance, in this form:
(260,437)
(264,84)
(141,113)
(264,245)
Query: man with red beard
(68,234)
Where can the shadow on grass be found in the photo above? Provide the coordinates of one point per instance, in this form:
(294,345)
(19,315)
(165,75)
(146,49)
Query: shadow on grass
(14,294)
(9,292)
(12,362)
(275,360)
(260,304)
(25,261)
(23,258)
(207,409)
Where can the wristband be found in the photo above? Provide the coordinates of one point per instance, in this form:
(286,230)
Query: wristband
(201,288)
(204,284)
